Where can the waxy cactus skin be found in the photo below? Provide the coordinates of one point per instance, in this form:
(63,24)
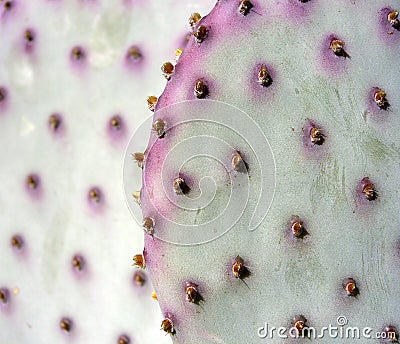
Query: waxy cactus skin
(321,81)
(72,90)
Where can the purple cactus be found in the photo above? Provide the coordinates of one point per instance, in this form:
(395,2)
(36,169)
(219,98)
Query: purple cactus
(72,89)
(280,121)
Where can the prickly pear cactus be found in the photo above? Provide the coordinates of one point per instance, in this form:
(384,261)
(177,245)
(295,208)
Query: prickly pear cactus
(270,182)
(74,79)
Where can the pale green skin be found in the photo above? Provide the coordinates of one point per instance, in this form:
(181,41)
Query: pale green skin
(105,303)
(349,236)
